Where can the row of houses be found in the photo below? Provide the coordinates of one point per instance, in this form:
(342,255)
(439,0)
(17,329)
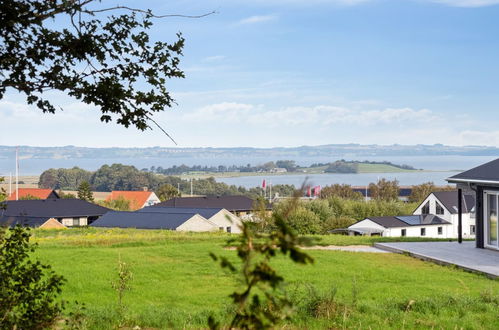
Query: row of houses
(217,213)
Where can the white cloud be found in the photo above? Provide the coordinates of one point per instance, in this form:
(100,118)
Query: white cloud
(321,115)
(257,19)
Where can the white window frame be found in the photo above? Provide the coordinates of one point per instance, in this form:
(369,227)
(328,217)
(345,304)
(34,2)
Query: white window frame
(485,216)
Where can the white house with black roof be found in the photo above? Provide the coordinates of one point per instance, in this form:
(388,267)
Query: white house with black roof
(35,213)
(483,182)
(399,226)
(444,204)
(223,219)
(156,220)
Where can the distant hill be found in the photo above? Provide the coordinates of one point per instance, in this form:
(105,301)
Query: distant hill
(330,150)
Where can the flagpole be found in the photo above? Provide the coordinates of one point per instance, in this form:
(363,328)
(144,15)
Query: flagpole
(270,191)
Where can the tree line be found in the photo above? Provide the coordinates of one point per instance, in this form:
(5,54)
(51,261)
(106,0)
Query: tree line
(126,177)
(289,165)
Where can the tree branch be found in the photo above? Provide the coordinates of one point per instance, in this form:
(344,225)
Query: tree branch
(147,12)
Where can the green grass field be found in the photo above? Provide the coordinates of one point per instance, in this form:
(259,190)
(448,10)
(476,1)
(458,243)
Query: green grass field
(177,285)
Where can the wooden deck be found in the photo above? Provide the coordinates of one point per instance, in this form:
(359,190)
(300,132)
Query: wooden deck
(464,255)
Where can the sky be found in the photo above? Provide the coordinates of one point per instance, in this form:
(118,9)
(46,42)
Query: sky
(266,73)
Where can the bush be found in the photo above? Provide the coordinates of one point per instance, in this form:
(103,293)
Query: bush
(28,289)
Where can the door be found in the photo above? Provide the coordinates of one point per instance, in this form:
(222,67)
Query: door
(490,218)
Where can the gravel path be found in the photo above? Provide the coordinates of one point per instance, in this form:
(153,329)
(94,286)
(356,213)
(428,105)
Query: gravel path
(349,248)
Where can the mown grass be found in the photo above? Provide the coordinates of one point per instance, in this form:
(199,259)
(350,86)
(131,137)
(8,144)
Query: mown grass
(177,285)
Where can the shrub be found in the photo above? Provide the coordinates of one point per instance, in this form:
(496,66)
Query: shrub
(28,289)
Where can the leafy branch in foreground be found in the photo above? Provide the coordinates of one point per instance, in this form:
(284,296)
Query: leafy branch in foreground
(262,303)
(28,289)
(108,62)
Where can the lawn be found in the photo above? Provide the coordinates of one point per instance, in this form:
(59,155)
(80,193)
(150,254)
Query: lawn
(176,284)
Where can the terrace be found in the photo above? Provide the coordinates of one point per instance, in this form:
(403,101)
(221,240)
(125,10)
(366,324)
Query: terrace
(463,255)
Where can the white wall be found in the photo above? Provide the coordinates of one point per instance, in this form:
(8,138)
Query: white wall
(367,223)
(68,222)
(467,218)
(411,231)
(415,231)
(198,224)
(153,199)
(226,219)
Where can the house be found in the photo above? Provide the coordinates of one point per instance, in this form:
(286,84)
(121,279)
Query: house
(155,220)
(483,182)
(444,205)
(427,225)
(35,213)
(32,193)
(138,199)
(223,219)
(238,205)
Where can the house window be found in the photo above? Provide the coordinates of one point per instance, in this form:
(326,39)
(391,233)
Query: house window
(221,228)
(403,232)
(440,209)
(229,230)
(440,231)
(423,231)
(472,229)
(76,221)
(426,208)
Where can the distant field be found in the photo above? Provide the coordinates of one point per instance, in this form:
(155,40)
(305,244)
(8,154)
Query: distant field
(29,181)
(177,285)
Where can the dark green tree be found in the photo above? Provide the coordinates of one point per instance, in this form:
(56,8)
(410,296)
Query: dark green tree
(166,192)
(28,288)
(384,190)
(85,192)
(340,190)
(106,61)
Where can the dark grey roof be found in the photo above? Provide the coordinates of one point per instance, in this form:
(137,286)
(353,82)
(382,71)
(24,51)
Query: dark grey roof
(486,173)
(230,203)
(403,191)
(449,201)
(142,220)
(408,220)
(52,208)
(24,221)
(205,212)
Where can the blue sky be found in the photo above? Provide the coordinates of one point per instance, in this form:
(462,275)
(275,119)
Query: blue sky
(307,72)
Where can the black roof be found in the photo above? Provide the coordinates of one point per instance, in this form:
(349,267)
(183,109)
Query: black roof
(205,212)
(486,173)
(142,220)
(449,201)
(24,221)
(230,203)
(52,208)
(403,191)
(408,220)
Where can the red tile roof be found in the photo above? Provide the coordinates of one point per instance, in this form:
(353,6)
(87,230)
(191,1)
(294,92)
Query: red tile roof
(34,192)
(137,198)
